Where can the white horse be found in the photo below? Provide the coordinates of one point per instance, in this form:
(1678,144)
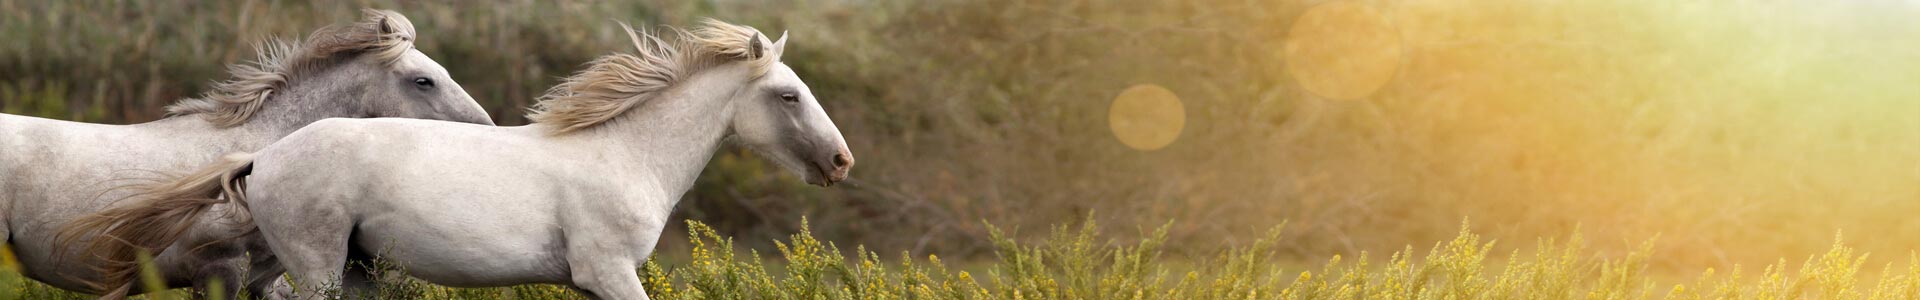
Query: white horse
(577,198)
(55,171)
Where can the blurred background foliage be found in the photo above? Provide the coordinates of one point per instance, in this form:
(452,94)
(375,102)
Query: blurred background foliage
(1735,132)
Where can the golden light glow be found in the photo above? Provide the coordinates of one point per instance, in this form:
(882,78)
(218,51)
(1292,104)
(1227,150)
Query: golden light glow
(1342,50)
(1146,117)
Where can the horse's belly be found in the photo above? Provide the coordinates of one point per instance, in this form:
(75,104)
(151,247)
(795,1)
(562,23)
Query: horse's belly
(467,256)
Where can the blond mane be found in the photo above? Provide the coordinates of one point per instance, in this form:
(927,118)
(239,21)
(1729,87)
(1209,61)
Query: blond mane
(616,83)
(385,35)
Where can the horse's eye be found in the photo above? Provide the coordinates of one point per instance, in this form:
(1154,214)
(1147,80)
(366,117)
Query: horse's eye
(789,97)
(423,82)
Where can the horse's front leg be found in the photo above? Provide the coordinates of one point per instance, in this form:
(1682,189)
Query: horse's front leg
(607,278)
(607,270)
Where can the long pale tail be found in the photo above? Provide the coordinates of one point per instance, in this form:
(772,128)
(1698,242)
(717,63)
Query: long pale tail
(160,214)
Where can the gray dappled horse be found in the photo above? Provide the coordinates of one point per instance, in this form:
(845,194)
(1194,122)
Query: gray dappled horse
(52,171)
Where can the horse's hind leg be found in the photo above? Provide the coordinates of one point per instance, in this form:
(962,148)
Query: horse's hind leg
(316,266)
(312,245)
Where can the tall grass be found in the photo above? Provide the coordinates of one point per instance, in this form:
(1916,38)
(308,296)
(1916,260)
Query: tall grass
(1080,263)
(1740,132)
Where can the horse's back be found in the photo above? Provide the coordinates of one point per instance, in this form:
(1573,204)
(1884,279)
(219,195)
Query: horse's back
(39,164)
(360,154)
(26,142)
(53,170)
(38,155)
(364,142)
(35,153)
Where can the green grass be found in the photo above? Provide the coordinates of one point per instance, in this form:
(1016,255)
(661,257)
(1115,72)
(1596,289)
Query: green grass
(1079,263)
(1739,132)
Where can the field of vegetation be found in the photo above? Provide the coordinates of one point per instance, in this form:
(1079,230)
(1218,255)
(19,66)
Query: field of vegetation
(1676,137)
(1078,263)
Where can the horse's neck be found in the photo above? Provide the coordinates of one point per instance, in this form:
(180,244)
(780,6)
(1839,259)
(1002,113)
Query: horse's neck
(671,137)
(286,112)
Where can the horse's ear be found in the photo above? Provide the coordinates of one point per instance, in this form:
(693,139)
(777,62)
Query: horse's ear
(391,23)
(780,46)
(385,28)
(755,50)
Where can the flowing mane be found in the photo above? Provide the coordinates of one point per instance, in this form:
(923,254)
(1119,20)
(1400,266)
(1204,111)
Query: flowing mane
(385,35)
(616,83)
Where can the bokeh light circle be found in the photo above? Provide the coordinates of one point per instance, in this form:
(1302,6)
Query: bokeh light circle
(1342,50)
(1147,117)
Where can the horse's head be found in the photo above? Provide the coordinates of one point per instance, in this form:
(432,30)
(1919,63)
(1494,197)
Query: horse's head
(397,80)
(771,110)
(366,69)
(778,117)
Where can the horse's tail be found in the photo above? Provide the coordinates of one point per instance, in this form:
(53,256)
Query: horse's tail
(162,213)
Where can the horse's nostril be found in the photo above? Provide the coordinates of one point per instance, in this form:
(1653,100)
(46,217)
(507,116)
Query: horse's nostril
(841,160)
